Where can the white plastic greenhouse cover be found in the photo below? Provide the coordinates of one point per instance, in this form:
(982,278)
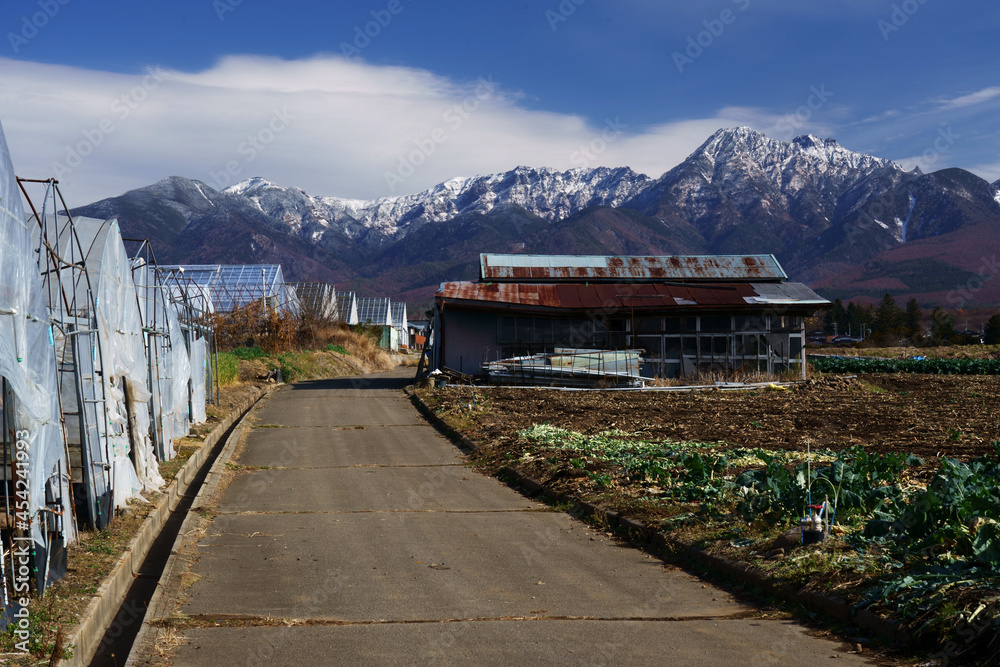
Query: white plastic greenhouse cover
(180,373)
(199,376)
(125,369)
(125,365)
(27,359)
(169,361)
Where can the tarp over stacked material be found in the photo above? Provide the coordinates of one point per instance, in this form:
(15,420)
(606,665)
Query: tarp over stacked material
(27,362)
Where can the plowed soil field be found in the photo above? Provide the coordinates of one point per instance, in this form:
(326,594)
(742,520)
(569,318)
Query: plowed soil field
(929,415)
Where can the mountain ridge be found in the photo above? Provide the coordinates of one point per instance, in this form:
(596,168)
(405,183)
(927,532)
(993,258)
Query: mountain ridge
(821,208)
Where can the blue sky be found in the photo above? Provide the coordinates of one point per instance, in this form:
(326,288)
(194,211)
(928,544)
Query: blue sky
(113,95)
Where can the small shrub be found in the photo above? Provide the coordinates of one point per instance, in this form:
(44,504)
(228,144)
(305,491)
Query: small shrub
(228,365)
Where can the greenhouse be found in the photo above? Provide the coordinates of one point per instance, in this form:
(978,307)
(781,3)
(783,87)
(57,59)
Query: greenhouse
(347,307)
(30,407)
(374,310)
(400,324)
(125,372)
(235,286)
(166,356)
(318,301)
(99,345)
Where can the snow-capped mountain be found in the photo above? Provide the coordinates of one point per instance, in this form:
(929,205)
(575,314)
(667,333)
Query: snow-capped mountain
(788,189)
(547,193)
(822,209)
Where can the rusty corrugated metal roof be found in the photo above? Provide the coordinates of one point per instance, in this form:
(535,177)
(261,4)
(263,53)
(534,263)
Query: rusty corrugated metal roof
(641,296)
(635,296)
(600,268)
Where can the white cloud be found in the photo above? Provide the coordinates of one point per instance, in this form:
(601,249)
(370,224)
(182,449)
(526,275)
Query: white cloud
(329,125)
(978,97)
(991,172)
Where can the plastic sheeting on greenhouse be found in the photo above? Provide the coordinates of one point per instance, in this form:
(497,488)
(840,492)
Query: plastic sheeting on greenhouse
(318,301)
(399,322)
(70,290)
(347,307)
(199,376)
(125,372)
(120,359)
(179,374)
(375,310)
(27,364)
(193,305)
(167,356)
(234,286)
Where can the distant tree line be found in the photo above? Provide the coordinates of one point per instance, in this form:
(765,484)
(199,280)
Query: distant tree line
(888,324)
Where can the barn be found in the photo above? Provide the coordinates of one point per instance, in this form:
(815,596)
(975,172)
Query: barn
(690,315)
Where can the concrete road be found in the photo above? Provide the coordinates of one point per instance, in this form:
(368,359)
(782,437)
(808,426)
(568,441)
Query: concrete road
(357,536)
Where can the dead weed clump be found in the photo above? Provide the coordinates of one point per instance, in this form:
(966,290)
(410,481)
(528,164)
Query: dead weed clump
(366,350)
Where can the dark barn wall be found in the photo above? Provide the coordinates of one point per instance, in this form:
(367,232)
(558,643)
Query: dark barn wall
(469,339)
(674,346)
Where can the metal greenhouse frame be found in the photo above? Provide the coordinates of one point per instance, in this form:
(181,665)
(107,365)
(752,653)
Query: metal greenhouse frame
(194,305)
(37,505)
(79,353)
(166,352)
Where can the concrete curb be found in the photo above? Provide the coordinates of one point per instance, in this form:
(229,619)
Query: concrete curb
(86,636)
(160,598)
(642,535)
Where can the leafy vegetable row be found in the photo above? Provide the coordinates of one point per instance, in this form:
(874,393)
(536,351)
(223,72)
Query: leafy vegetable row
(927,366)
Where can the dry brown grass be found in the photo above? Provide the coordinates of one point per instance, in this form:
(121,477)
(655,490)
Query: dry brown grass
(711,378)
(941,352)
(365,350)
(257,324)
(276,333)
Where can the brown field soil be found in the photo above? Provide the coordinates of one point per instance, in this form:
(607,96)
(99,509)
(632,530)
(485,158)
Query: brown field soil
(943,352)
(928,415)
(932,416)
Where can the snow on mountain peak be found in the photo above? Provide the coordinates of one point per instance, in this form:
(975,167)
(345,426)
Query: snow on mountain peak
(754,169)
(251,185)
(545,192)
